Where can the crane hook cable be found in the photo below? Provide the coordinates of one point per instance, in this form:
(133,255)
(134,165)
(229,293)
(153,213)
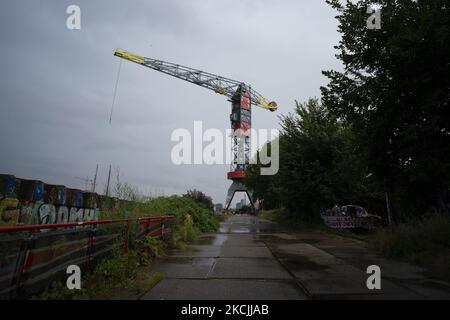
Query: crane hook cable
(115,92)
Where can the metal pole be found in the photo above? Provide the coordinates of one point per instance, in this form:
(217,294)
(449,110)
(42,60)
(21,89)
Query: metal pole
(126,236)
(90,246)
(109,178)
(95,179)
(388,208)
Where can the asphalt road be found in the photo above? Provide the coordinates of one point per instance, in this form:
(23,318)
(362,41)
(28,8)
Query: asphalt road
(253,259)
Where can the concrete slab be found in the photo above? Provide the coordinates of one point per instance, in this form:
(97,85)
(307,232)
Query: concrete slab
(247,224)
(236,228)
(285,236)
(360,258)
(305,251)
(197,251)
(252,259)
(243,240)
(343,280)
(211,239)
(248,268)
(398,270)
(245,252)
(184,267)
(429,289)
(221,289)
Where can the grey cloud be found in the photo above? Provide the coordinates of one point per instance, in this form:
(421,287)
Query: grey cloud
(57,85)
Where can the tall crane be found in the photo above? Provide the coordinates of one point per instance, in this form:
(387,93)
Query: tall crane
(241,96)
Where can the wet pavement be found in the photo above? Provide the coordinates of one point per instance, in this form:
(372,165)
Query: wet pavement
(253,259)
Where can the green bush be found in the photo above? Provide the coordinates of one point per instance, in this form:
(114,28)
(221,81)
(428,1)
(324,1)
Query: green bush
(148,248)
(56,291)
(119,268)
(203,220)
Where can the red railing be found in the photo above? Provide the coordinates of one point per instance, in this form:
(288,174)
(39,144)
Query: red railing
(81,223)
(49,248)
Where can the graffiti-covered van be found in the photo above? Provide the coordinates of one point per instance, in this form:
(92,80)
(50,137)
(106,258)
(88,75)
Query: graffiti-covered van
(349,217)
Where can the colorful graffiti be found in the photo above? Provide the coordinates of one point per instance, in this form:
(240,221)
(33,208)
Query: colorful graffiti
(350,216)
(24,202)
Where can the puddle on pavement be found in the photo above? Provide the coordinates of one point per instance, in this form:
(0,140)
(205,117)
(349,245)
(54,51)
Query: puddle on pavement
(203,261)
(228,229)
(197,251)
(241,230)
(250,229)
(214,240)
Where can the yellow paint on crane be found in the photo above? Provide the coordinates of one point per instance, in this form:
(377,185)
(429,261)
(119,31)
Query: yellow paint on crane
(129,56)
(219,90)
(272,106)
(262,103)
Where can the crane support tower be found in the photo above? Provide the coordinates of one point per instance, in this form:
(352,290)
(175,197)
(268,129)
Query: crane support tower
(241,96)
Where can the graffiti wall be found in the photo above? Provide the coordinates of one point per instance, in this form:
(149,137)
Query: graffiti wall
(27,202)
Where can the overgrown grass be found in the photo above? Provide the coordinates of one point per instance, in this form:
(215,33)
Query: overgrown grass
(425,243)
(203,219)
(123,275)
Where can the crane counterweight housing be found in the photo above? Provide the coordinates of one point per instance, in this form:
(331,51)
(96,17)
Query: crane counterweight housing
(242,97)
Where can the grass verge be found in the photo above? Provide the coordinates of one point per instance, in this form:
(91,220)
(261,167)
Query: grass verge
(121,276)
(425,243)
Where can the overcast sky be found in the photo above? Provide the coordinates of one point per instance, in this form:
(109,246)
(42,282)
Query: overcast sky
(57,84)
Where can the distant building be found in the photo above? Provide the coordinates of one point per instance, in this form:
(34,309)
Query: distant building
(218,207)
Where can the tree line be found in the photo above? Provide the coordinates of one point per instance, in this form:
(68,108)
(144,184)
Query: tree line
(381,128)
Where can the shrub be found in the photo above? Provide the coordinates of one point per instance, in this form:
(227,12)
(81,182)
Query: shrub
(202,218)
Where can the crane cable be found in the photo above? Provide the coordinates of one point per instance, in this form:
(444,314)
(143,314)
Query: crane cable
(115,92)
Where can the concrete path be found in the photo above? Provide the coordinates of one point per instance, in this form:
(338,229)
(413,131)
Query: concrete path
(250,258)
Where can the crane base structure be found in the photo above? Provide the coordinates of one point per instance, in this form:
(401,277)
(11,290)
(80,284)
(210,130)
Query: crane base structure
(237,186)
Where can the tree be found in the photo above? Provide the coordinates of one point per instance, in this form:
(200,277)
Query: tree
(266,187)
(126,191)
(319,164)
(394,92)
(200,198)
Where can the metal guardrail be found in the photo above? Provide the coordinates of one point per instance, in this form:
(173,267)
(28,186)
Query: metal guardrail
(33,255)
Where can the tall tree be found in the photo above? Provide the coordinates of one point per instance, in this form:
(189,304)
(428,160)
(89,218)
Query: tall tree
(395,92)
(200,198)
